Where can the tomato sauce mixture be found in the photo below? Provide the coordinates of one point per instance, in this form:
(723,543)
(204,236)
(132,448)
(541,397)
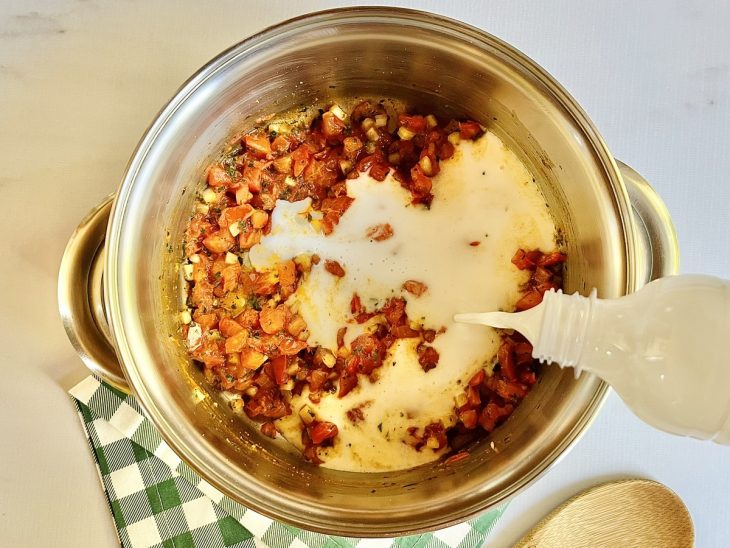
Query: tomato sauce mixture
(243,328)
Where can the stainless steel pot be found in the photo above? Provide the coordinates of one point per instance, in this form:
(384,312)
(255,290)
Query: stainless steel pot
(617,231)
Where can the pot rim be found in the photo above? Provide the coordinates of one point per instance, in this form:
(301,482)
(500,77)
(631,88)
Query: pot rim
(230,55)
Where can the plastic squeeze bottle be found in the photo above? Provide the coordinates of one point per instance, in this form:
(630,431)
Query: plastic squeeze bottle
(662,348)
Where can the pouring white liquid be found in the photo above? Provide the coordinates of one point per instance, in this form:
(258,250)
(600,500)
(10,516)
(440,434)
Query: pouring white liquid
(661,348)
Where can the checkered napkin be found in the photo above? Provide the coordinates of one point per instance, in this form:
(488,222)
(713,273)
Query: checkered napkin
(158,501)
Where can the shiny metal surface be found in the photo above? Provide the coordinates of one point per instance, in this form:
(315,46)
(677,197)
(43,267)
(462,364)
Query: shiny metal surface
(657,245)
(432,63)
(80,297)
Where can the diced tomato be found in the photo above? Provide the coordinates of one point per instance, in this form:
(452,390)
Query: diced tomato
(404,332)
(249,319)
(355,304)
(332,127)
(196,230)
(416,123)
(351,146)
(250,358)
(334,268)
(289,346)
(421,184)
(229,276)
(322,173)
(379,171)
(269,429)
(332,209)
(231,215)
(530,299)
(469,418)
(415,288)
(202,296)
(446,150)
(205,321)
(319,431)
(258,144)
(553,258)
(219,242)
(249,235)
(367,354)
(210,352)
(523,353)
(300,159)
(506,359)
(237,342)
(473,399)
(274,319)
(280,144)
(428,357)
(229,327)
(478,378)
(219,177)
(379,232)
(252,177)
(279,366)
(492,414)
(469,130)
(394,311)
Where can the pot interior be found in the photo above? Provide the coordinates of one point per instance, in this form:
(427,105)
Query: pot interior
(438,66)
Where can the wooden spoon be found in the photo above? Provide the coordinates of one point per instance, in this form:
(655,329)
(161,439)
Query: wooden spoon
(634,513)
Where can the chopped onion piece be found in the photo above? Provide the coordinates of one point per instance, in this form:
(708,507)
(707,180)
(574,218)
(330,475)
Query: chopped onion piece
(185,317)
(454,138)
(381,120)
(231,258)
(345,166)
(338,112)
(279,128)
(405,133)
(372,134)
(426,165)
(243,195)
(195,333)
(210,196)
(432,443)
(431,121)
(307,415)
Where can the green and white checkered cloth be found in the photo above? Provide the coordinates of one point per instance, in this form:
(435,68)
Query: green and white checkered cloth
(158,501)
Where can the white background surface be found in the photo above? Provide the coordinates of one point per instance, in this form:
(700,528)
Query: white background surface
(80,81)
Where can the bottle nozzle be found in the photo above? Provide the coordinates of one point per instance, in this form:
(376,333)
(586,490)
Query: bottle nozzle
(528,322)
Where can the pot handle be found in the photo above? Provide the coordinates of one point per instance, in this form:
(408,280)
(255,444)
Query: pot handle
(657,253)
(80,297)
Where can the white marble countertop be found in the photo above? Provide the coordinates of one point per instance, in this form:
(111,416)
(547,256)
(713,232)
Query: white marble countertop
(80,81)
